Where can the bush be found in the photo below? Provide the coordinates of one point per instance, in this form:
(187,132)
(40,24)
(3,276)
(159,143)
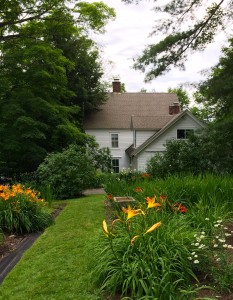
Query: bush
(68,172)
(198,155)
(21,210)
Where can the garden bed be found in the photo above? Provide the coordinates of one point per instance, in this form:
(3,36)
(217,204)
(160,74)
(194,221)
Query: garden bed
(204,278)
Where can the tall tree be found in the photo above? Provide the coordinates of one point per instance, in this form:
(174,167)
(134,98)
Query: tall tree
(216,91)
(189,26)
(182,96)
(48,76)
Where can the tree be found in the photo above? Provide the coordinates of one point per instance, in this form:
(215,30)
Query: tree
(49,76)
(16,13)
(182,96)
(216,91)
(190,26)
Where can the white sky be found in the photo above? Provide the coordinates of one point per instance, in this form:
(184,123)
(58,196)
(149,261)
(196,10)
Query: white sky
(127,36)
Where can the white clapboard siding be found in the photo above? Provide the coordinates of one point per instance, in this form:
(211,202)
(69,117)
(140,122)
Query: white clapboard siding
(159,145)
(103,138)
(142,135)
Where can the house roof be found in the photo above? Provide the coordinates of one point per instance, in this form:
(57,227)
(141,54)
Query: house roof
(137,110)
(175,119)
(150,122)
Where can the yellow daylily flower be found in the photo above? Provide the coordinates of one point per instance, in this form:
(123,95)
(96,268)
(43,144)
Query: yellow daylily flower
(132,212)
(151,202)
(133,239)
(153,227)
(105,228)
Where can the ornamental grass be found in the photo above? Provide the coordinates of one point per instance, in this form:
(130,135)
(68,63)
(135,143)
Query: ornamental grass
(22,210)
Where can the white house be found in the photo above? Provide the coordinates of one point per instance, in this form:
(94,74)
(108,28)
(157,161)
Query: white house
(135,126)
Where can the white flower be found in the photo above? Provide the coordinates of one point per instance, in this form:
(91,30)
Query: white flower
(203,232)
(219,221)
(216,225)
(230,247)
(190,258)
(225,228)
(218,259)
(201,246)
(193,253)
(215,245)
(227,234)
(197,244)
(196,256)
(207,219)
(195,235)
(222,240)
(196,261)
(225,246)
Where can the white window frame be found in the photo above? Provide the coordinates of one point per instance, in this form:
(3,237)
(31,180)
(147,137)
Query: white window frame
(115,141)
(186,132)
(116,167)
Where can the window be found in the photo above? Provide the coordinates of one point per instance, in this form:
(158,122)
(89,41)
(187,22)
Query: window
(115,165)
(183,134)
(114,140)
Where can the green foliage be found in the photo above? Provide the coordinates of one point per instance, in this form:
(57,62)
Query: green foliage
(189,26)
(157,247)
(197,155)
(97,14)
(21,210)
(216,92)
(141,264)
(182,96)
(68,172)
(50,78)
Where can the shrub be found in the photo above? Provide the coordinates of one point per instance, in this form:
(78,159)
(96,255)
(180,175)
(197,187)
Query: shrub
(68,172)
(196,155)
(22,210)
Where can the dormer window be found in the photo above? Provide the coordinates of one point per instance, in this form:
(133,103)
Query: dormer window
(183,134)
(114,140)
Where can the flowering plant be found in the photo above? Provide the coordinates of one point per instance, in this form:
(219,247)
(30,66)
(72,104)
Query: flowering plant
(22,209)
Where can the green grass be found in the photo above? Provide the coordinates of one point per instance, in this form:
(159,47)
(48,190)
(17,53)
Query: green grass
(58,266)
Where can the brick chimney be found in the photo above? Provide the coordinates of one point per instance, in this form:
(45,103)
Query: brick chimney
(116,86)
(174,109)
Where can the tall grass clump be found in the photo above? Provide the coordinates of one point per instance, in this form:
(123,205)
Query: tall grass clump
(145,253)
(157,247)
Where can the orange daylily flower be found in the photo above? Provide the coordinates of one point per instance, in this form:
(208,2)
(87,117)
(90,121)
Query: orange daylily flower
(138,189)
(151,202)
(110,197)
(180,208)
(162,198)
(153,227)
(132,212)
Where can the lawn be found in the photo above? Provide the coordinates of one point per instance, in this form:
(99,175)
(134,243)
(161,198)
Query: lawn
(59,264)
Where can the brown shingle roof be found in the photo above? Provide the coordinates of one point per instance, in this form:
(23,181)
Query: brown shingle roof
(150,122)
(145,110)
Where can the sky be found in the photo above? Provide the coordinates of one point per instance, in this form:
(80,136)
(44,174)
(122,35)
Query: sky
(127,36)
